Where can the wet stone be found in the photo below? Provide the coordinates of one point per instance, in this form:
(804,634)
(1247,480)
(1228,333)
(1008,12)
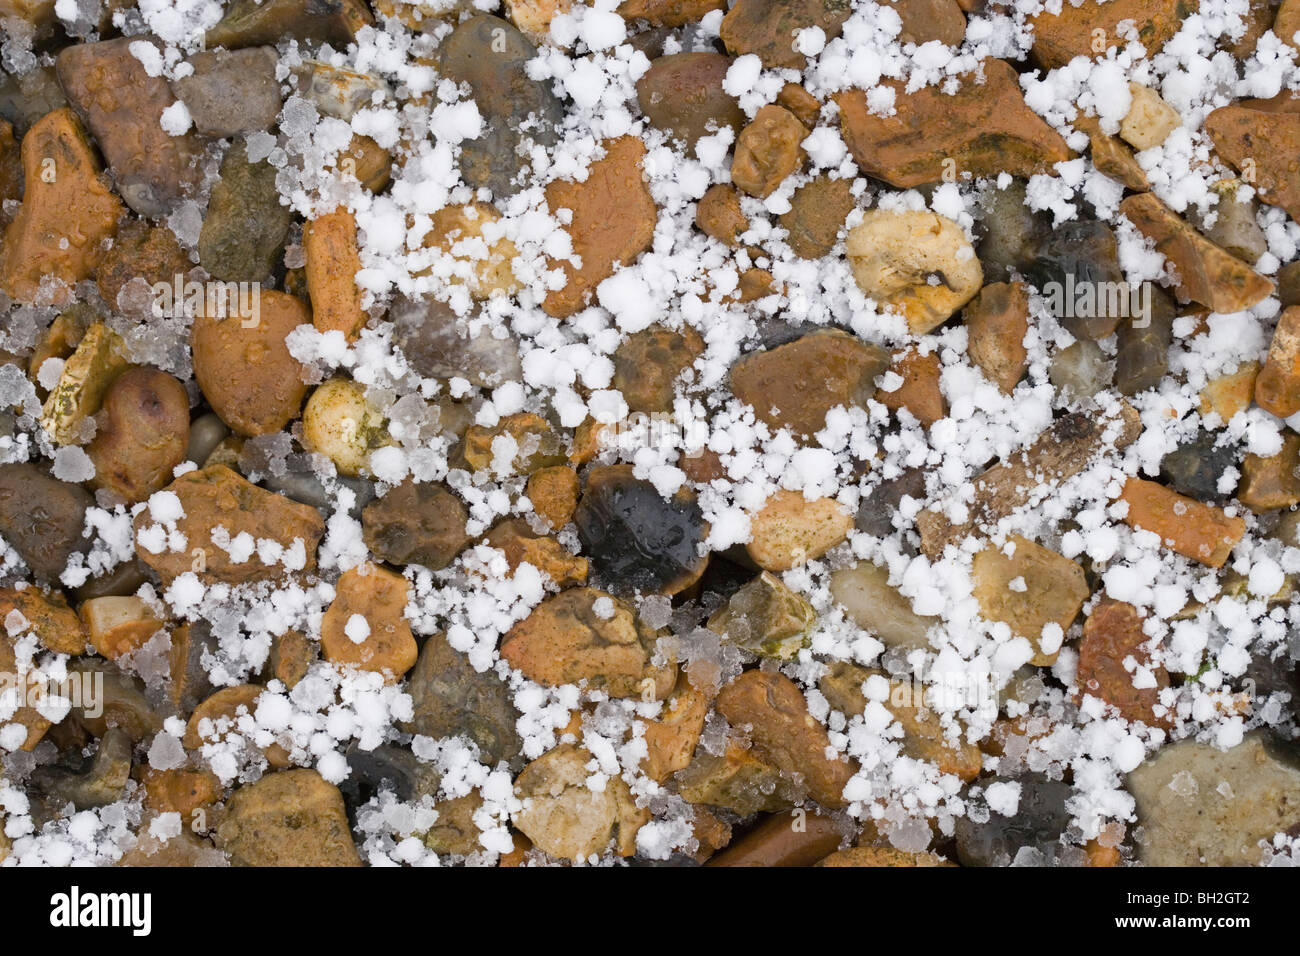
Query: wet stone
(87,784)
(437,345)
(1196,466)
(767,151)
(290,818)
(768,29)
(1195,530)
(565,817)
(718,214)
(1235,227)
(231,91)
(1143,346)
(520,544)
(739,779)
(536,445)
(789,530)
(1081,370)
(766,618)
(416,523)
(1038,825)
(1262,142)
(41,517)
(554,493)
(636,539)
(1051,590)
(449,698)
(1007,231)
(1270,483)
(876,512)
(123,107)
(997,321)
(1072,261)
(648,364)
(817,213)
(668,13)
(491,56)
(143,252)
(365,626)
(682,95)
(249,23)
(1060,37)
(245,228)
(1111,635)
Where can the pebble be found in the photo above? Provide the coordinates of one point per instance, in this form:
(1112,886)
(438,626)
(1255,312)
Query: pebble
(1091,28)
(997,321)
(881,856)
(1262,141)
(1235,227)
(1112,156)
(672,737)
(231,92)
(649,363)
(142,431)
(54,623)
(333,260)
(1229,395)
(925,21)
(766,29)
(636,539)
(1051,591)
(289,818)
(449,698)
(876,512)
(817,213)
(520,544)
(795,385)
(140,253)
(919,393)
(668,13)
(1198,805)
(554,494)
(217,717)
(1083,256)
(1081,370)
(983,129)
(766,618)
(790,530)
(1277,387)
(537,446)
(365,626)
(767,151)
(1195,530)
(1008,232)
(1112,635)
(565,640)
(42,518)
(784,839)
(739,780)
(118,625)
(863,589)
(1143,347)
(1195,467)
(1269,483)
(86,783)
(718,214)
(1038,826)
(416,523)
(682,95)
(431,339)
(253,23)
(613,221)
(245,228)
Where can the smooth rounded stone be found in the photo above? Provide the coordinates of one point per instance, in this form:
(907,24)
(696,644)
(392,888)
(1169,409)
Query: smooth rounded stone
(123,702)
(375,599)
(60,228)
(649,363)
(231,91)
(801,103)
(254,23)
(767,151)
(386,768)
(1195,467)
(774,709)
(636,539)
(765,618)
(214,498)
(563,816)
(668,13)
(874,605)
(492,56)
(789,530)
(338,92)
(1038,825)
(86,783)
(1007,231)
(817,213)
(142,431)
(1200,806)
(144,252)
(244,231)
(25,99)
(41,517)
(1111,635)
(435,345)
(795,385)
(718,214)
(333,253)
(776,841)
(876,513)
(307,488)
(1270,483)
(216,718)
(289,818)
(519,543)
(206,433)
(450,698)
(416,523)
(1081,370)
(123,106)
(1143,346)
(1206,273)
(1073,260)
(767,29)
(566,640)
(682,95)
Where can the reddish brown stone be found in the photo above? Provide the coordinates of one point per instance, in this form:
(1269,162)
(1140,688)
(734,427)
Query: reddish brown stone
(1261,142)
(718,214)
(767,151)
(919,393)
(1277,387)
(1060,37)
(767,29)
(1113,633)
(1194,529)
(997,322)
(817,213)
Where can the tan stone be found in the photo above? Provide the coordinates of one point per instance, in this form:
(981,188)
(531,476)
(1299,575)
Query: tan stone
(1260,138)
(1050,589)
(1149,120)
(55,625)
(1277,387)
(919,393)
(290,818)
(671,737)
(333,254)
(520,544)
(767,151)
(881,856)
(554,494)
(220,716)
(817,213)
(997,321)
(378,597)
(789,530)
(1229,395)
(1077,30)
(718,214)
(1268,484)
(1112,156)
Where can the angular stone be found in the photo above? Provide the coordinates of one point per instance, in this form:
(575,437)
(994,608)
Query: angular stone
(377,597)
(1111,635)
(231,91)
(290,818)
(1261,143)
(1277,387)
(230,713)
(215,498)
(245,228)
(636,539)
(682,95)
(1039,823)
(897,256)
(1235,227)
(123,107)
(1268,484)
(1143,346)
(648,364)
(817,213)
(1207,274)
(1081,370)
(554,494)
(1112,156)
(780,841)
(768,29)
(997,321)
(1007,231)
(87,783)
(67,212)
(537,446)
(982,130)
(436,345)
(42,518)
(671,738)
(565,640)
(250,23)
(564,817)
(55,625)
(923,735)
(919,394)
(767,151)
(333,261)
(11,171)
(925,21)
(790,530)
(416,523)
(801,103)
(1050,589)
(28,715)
(90,371)
(1195,467)
(1060,37)
(1201,806)
(881,503)
(492,56)
(1149,120)
(795,385)
(142,255)
(766,618)
(450,698)
(520,544)
(613,222)
(1229,395)
(119,625)
(1072,266)
(774,710)
(1066,448)
(1195,530)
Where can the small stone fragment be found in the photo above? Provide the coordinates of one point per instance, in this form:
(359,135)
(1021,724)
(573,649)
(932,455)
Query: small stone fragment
(142,431)
(767,151)
(244,231)
(919,394)
(481,257)
(997,321)
(437,345)
(520,544)
(649,363)
(118,625)
(1195,467)
(1229,395)
(766,618)
(1235,227)
(1143,347)
(682,95)
(1149,120)
(1268,484)
(1277,387)
(554,494)
(739,780)
(1049,590)
(817,213)
(671,738)
(1261,144)
(1111,635)
(1038,825)
(87,376)
(333,260)
(49,617)
(536,445)
(1112,156)
(231,91)
(141,254)
(668,13)
(790,530)
(1081,370)
(1195,530)
(1092,28)
(1076,267)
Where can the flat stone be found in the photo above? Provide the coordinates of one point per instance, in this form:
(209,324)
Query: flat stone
(1050,590)
(1192,528)
(245,228)
(1060,37)
(789,530)
(1277,387)
(333,254)
(1270,483)
(231,91)
(982,130)
(817,213)
(1195,467)
(997,321)
(290,818)
(767,29)
(416,523)
(554,493)
(682,95)
(370,601)
(564,817)
(718,214)
(767,151)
